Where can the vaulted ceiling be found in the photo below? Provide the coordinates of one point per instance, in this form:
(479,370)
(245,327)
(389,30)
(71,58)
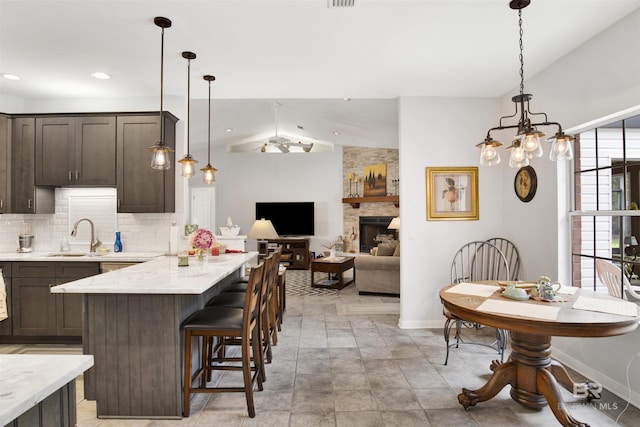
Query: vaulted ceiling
(301,53)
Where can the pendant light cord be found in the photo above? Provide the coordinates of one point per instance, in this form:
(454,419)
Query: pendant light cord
(188,104)
(161,82)
(209,129)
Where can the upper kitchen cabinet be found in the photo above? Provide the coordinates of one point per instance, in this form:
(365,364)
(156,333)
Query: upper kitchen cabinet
(76,151)
(25,196)
(5,164)
(140,188)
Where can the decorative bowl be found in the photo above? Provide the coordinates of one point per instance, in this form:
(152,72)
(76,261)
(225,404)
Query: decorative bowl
(234,230)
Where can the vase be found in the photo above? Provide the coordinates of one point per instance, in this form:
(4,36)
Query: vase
(200,255)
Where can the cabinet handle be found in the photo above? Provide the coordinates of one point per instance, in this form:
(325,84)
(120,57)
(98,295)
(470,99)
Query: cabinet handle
(118,203)
(1,203)
(77,175)
(29,203)
(70,177)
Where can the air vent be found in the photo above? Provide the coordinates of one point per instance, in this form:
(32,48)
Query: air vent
(341,3)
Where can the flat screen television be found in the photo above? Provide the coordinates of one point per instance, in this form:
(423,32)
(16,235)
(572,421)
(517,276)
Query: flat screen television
(288,218)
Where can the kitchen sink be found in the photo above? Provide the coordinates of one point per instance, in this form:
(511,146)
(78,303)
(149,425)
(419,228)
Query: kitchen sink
(72,254)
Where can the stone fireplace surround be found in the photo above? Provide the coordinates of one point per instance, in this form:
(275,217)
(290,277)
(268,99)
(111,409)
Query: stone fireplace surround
(354,160)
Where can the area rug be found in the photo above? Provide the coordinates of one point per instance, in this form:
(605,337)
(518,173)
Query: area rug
(299,284)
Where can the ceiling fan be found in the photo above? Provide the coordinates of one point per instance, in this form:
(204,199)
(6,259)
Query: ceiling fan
(281,143)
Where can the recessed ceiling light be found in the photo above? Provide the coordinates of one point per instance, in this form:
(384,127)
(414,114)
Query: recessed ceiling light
(346,99)
(101,75)
(228,130)
(336,133)
(11,76)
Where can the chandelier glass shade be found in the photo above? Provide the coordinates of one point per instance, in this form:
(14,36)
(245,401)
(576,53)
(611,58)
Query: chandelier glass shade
(527,143)
(188,161)
(161,153)
(209,172)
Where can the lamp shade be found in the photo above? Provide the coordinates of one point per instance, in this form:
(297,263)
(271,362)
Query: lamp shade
(262,229)
(631,241)
(394,224)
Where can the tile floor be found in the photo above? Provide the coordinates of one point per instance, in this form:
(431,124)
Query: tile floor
(342,361)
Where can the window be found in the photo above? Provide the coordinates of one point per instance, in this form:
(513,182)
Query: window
(606,199)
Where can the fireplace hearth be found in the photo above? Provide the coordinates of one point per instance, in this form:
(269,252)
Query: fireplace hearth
(373,230)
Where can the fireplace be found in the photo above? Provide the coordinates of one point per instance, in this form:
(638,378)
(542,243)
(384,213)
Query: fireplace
(373,230)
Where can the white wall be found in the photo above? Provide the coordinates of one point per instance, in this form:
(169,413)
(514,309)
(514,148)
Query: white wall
(600,78)
(245,178)
(440,132)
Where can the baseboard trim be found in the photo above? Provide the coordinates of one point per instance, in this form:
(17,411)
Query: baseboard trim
(620,390)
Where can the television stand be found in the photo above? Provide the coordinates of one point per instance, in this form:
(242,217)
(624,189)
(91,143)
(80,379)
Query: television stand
(295,252)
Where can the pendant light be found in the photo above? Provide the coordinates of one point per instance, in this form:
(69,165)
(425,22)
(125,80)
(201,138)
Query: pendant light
(526,144)
(187,161)
(209,172)
(161,152)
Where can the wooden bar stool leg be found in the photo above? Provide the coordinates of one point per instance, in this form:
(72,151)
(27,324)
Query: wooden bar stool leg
(186,393)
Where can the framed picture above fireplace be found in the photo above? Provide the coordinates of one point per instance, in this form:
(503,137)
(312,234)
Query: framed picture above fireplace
(375,180)
(452,193)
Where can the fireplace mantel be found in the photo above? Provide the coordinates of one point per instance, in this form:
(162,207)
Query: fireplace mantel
(355,201)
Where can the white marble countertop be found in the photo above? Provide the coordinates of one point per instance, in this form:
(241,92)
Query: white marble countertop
(80,256)
(27,379)
(161,276)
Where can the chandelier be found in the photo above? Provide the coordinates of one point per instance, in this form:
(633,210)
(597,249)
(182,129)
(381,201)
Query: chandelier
(526,144)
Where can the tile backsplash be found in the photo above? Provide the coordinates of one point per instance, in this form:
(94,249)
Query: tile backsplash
(140,232)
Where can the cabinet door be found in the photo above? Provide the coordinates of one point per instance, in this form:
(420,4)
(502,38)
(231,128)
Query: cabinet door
(54,151)
(5,164)
(94,156)
(23,165)
(140,188)
(69,306)
(34,307)
(6,324)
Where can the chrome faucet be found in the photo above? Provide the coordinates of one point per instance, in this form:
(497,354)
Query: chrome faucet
(94,242)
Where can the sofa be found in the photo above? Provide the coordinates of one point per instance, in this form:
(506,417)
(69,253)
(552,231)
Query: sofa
(379,272)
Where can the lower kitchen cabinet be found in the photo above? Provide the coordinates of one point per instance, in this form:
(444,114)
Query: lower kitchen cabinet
(6,324)
(38,312)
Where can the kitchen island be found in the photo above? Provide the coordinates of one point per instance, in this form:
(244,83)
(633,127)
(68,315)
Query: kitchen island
(131,326)
(39,389)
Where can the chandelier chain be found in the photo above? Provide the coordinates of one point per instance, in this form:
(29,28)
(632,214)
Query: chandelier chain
(521,54)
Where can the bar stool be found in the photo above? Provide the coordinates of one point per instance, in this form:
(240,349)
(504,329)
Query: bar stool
(267,307)
(222,322)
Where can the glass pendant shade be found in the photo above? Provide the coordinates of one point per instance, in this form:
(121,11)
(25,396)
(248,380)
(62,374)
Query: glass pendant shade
(531,144)
(561,147)
(187,163)
(518,157)
(160,158)
(489,155)
(209,174)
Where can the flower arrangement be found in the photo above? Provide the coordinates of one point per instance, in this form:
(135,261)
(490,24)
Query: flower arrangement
(201,240)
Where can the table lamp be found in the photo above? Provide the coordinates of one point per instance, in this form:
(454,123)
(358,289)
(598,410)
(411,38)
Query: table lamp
(394,224)
(262,230)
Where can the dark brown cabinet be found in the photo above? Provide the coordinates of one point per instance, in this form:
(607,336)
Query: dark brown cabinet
(295,252)
(76,151)
(140,188)
(6,324)
(25,197)
(38,312)
(5,164)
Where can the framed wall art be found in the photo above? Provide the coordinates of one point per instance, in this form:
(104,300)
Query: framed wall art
(375,180)
(452,193)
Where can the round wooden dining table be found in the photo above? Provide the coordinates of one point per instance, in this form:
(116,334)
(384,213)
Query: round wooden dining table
(530,371)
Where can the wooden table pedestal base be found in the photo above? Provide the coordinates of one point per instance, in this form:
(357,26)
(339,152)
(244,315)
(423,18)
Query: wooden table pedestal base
(533,376)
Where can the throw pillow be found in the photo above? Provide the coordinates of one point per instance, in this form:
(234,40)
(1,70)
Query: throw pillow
(374,251)
(396,252)
(386,249)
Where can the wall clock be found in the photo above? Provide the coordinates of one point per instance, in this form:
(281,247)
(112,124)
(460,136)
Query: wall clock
(525,183)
